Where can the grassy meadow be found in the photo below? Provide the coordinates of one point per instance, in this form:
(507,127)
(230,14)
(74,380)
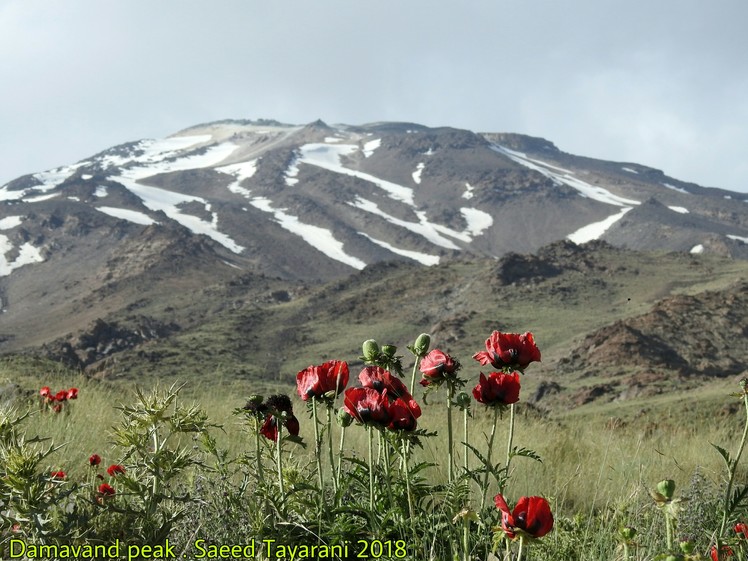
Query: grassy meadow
(597,470)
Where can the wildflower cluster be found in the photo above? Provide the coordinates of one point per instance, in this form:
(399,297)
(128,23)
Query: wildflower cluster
(55,401)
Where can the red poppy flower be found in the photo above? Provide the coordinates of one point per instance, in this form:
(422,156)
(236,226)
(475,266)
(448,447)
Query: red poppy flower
(531,516)
(115,469)
(58,475)
(57,408)
(106,490)
(403,414)
(725,552)
(72,393)
(316,381)
(509,350)
(741,529)
(498,389)
(62,395)
(367,405)
(379,379)
(45,391)
(94,460)
(269,428)
(437,365)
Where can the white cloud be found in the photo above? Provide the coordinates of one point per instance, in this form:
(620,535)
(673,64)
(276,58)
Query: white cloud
(659,84)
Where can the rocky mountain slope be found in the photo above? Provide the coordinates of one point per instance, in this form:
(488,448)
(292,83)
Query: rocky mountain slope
(244,239)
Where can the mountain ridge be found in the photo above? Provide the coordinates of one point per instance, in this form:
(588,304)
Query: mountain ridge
(245,215)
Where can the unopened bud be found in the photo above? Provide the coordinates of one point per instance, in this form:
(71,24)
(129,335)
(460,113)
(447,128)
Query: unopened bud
(687,547)
(666,488)
(255,399)
(370,350)
(627,533)
(344,418)
(463,401)
(389,350)
(422,344)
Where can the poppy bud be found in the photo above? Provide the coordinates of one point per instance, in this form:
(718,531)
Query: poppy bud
(421,346)
(627,533)
(255,399)
(371,350)
(687,547)
(666,488)
(344,418)
(463,401)
(389,350)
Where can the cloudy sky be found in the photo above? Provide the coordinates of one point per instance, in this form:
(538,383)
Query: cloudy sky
(658,82)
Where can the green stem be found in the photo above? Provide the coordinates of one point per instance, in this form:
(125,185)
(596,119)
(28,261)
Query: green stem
(521,544)
(278,448)
(340,453)
(465,539)
(450,467)
(509,440)
(258,454)
(413,376)
(387,476)
(732,471)
(669,531)
(488,457)
(371,469)
(407,481)
(329,447)
(318,449)
(465,459)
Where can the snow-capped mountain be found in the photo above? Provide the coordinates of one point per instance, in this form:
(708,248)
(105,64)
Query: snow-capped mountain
(307,203)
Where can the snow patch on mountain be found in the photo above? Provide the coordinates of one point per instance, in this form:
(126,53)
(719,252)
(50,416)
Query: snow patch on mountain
(27,254)
(596,229)
(423,227)
(125,214)
(10,222)
(371,146)
(478,221)
(674,188)
(423,258)
(319,238)
(167,201)
(240,171)
(698,248)
(593,192)
(738,238)
(679,209)
(101,192)
(468,194)
(417,173)
(328,157)
(630,170)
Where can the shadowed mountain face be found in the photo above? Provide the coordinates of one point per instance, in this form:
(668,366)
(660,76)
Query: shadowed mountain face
(161,235)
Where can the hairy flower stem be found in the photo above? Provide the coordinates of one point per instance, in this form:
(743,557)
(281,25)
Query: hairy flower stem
(521,544)
(465,539)
(329,448)
(258,454)
(387,475)
(465,462)
(669,531)
(371,469)
(511,437)
(340,454)
(413,376)
(318,449)
(407,481)
(450,466)
(278,448)
(732,471)
(488,457)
